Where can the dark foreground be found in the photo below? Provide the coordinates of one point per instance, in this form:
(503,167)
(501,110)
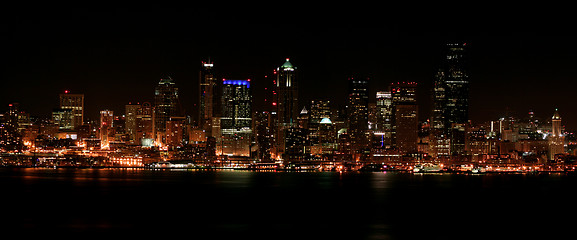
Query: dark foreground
(134,203)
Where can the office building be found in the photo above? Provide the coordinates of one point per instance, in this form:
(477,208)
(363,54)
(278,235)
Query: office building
(106,125)
(166,105)
(556,138)
(64,118)
(236,121)
(131,111)
(406,122)
(383,132)
(285,105)
(207,96)
(357,108)
(450,104)
(144,125)
(74,102)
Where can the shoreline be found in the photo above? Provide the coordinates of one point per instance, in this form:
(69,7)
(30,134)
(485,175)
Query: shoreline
(282,170)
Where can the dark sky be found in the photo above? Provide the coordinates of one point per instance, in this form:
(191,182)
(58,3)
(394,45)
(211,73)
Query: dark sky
(519,59)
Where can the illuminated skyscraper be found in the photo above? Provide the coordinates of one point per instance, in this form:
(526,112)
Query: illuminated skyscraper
(556,139)
(405,120)
(166,106)
(285,105)
(64,118)
(131,111)
(236,120)
(319,110)
(358,113)
(383,133)
(75,102)
(286,97)
(207,96)
(106,124)
(144,125)
(450,104)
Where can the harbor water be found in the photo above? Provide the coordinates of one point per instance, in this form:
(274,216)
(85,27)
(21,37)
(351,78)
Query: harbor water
(221,204)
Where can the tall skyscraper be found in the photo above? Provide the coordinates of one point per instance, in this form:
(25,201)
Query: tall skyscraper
(144,125)
(450,104)
(319,110)
(207,95)
(166,106)
(556,139)
(74,102)
(358,113)
(131,111)
(286,97)
(384,120)
(236,120)
(106,125)
(285,105)
(405,127)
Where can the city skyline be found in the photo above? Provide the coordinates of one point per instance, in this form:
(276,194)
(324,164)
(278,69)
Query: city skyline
(507,61)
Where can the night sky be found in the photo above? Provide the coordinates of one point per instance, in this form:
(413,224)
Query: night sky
(519,59)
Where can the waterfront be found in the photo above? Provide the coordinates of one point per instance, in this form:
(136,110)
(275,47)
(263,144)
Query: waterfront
(292,205)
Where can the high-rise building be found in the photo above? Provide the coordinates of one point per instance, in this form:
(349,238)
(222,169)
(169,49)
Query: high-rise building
(236,120)
(131,111)
(406,122)
(10,137)
(450,104)
(384,120)
(357,109)
(166,106)
(175,132)
(207,95)
(64,118)
(319,110)
(556,139)
(106,124)
(286,97)
(285,105)
(75,102)
(144,125)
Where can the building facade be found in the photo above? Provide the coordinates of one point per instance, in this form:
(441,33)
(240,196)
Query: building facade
(207,96)
(236,121)
(405,121)
(285,105)
(556,138)
(74,102)
(450,104)
(166,105)
(357,108)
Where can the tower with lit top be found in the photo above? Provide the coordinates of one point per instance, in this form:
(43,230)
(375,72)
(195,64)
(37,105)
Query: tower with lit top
(556,139)
(285,105)
(236,120)
(207,94)
(286,97)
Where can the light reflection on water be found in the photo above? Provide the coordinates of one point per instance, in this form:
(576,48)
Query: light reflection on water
(245,203)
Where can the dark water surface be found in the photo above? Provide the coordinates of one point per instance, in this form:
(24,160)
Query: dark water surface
(285,205)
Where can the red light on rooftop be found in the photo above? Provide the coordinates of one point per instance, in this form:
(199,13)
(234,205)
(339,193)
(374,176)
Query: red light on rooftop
(274,104)
(66,91)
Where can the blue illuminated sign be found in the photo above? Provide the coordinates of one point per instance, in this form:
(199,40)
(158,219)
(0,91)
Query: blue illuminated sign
(237,82)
